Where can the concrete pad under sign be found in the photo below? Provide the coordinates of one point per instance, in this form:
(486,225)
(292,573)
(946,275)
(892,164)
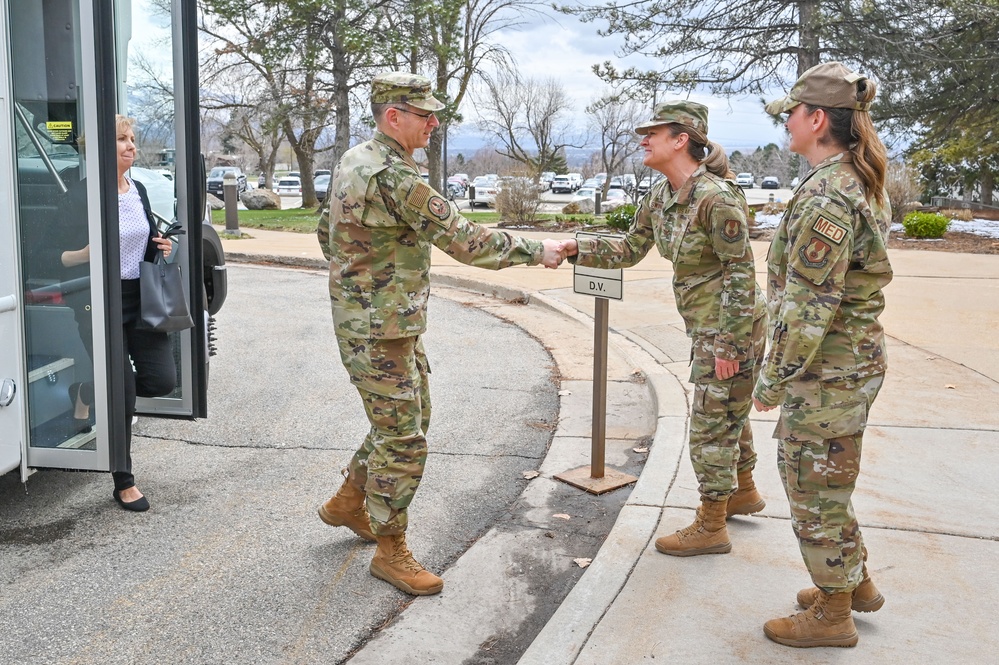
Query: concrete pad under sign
(582,479)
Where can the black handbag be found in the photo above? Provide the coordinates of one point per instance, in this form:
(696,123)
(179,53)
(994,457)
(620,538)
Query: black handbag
(162,306)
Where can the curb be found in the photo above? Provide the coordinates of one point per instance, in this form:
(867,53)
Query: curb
(566,632)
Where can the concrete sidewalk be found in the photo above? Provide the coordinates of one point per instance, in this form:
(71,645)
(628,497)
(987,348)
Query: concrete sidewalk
(926,497)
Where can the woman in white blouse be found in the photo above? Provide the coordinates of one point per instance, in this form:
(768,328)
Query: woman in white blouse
(150,352)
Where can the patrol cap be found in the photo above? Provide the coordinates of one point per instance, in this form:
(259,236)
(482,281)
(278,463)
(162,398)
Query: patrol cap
(689,114)
(405,88)
(830,85)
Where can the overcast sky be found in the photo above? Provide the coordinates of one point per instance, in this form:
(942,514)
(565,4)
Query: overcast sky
(563,47)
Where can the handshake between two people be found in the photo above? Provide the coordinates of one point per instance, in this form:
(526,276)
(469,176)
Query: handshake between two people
(556,251)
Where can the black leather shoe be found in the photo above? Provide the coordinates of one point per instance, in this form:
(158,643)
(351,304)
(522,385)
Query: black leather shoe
(140,505)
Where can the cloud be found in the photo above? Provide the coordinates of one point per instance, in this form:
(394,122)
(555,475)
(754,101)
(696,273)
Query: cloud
(566,49)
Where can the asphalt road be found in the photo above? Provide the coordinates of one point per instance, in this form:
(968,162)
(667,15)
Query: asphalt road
(232,565)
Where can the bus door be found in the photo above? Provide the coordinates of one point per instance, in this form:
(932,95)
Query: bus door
(66,68)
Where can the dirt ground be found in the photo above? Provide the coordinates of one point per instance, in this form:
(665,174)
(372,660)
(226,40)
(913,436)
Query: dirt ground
(967,243)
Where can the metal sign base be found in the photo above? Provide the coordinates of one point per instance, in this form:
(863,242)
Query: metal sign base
(581,478)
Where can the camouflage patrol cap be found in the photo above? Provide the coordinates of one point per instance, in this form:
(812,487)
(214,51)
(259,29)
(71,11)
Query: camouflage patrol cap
(830,85)
(405,88)
(689,114)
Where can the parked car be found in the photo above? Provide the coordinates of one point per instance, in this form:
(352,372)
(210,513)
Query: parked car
(261,181)
(485,190)
(745,180)
(770,182)
(463,177)
(646,183)
(795,181)
(288,186)
(616,196)
(321,172)
(322,185)
(166,173)
(627,183)
(562,184)
(592,183)
(584,193)
(576,179)
(456,187)
(545,180)
(215,176)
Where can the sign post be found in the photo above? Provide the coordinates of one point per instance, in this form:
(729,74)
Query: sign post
(603,284)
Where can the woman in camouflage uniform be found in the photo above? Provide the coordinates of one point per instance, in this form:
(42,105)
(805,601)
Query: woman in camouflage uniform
(696,217)
(826,268)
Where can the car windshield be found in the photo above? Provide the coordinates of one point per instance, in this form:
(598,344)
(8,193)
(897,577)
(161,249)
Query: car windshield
(220,172)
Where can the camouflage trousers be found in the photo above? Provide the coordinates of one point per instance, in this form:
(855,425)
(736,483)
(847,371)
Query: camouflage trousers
(721,438)
(391,376)
(820,433)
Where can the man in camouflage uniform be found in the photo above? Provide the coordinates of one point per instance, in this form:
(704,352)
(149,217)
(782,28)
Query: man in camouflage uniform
(377,231)
(696,218)
(826,268)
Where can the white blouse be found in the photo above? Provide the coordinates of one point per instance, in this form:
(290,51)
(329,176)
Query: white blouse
(133,231)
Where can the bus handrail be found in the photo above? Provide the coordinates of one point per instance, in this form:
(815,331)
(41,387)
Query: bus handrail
(41,150)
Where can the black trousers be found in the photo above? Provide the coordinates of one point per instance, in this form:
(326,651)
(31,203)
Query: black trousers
(155,372)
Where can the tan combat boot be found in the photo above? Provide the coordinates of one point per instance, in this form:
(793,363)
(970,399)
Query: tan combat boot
(707,535)
(827,623)
(346,508)
(746,499)
(394,563)
(866,597)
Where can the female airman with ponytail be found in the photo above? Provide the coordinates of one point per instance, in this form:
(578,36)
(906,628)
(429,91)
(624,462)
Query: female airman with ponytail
(827,267)
(697,218)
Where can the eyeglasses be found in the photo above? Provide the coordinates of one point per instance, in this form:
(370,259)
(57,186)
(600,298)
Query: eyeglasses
(425,116)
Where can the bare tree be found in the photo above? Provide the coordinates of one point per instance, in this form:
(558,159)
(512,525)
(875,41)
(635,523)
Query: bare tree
(613,120)
(460,43)
(529,120)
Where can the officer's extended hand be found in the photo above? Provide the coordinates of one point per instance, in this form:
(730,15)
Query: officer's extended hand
(726,369)
(570,247)
(553,255)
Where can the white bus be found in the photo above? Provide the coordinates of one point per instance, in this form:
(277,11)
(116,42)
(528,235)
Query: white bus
(66,68)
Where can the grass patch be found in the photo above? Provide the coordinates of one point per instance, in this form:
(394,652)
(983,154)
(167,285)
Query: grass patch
(296,220)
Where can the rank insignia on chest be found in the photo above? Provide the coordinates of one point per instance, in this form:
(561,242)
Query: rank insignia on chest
(732,230)
(834,232)
(815,253)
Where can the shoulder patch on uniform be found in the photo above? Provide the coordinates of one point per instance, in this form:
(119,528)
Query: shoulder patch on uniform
(815,254)
(438,207)
(419,195)
(732,230)
(830,230)
(430,204)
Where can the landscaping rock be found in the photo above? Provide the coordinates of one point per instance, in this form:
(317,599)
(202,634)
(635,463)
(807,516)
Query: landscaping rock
(584,206)
(215,203)
(260,199)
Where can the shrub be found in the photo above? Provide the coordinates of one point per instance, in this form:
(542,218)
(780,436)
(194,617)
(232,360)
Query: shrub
(518,200)
(902,185)
(962,215)
(925,225)
(621,216)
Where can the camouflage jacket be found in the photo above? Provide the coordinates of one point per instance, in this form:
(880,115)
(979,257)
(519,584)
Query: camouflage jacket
(377,230)
(702,229)
(827,265)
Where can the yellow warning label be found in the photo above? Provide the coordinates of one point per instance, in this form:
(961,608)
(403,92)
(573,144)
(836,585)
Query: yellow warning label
(59,130)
